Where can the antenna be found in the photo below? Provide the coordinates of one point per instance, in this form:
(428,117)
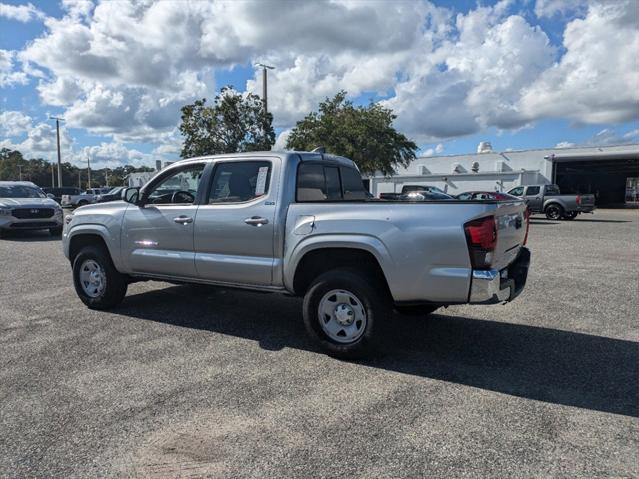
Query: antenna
(320,149)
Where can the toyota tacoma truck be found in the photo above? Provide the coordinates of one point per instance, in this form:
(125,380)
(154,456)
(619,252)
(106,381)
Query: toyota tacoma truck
(300,223)
(547,199)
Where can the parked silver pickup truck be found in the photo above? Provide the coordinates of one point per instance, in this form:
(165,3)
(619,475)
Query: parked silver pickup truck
(300,223)
(547,199)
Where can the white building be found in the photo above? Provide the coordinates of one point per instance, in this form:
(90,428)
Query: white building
(604,171)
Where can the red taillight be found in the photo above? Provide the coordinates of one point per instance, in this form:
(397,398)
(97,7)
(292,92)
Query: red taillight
(527,220)
(481,235)
(578,200)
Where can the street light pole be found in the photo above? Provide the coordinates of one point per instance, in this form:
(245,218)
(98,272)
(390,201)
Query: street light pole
(52,177)
(57,130)
(89,170)
(265,69)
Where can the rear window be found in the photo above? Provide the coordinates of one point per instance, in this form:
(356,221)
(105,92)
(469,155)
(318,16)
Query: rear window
(552,190)
(317,182)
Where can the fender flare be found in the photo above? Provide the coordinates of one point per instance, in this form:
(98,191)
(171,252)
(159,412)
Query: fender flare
(112,243)
(366,243)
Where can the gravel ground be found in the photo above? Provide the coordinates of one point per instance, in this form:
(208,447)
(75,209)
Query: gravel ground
(194,382)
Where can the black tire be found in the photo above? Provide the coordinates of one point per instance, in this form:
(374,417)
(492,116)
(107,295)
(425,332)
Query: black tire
(570,215)
(55,231)
(422,310)
(115,285)
(554,211)
(374,301)
(82,203)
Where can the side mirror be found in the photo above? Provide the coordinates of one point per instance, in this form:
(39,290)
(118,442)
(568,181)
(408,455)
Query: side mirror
(131,195)
(50,196)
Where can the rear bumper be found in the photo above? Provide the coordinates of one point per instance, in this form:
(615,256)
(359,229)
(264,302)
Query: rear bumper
(493,286)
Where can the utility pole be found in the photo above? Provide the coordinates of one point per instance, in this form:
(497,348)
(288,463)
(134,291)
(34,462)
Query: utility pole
(57,130)
(52,177)
(89,170)
(79,178)
(20,172)
(106,177)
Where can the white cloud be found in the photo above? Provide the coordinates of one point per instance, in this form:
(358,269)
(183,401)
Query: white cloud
(20,13)
(111,155)
(473,81)
(596,79)
(551,8)
(8,76)
(565,144)
(14,123)
(123,69)
(282,138)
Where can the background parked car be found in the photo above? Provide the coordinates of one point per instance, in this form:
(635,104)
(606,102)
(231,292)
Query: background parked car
(24,206)
(57,192)
(407,189)
(82,199)
(113,194)
(485,195)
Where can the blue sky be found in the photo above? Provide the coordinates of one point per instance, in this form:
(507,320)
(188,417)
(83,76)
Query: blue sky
(520,74)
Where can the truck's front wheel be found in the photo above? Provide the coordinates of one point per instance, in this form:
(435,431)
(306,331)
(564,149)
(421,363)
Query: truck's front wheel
(344,313)
(98,284)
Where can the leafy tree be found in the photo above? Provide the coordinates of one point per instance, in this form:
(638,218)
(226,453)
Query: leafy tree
(234,123)
(364,134)
(38,171)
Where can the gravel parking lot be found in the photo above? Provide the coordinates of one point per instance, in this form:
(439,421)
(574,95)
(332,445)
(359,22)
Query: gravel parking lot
(194,382)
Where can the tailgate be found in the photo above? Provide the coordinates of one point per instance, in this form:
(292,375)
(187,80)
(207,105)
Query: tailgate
(511,232)
(586,201)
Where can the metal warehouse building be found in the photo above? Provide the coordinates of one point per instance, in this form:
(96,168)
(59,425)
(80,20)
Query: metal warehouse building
(609,172)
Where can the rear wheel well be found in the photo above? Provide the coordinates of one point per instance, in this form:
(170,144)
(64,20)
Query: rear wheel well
(553,203)
(322,260)
(80,241)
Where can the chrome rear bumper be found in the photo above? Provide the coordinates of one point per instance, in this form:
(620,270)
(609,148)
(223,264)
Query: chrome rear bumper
(492,286)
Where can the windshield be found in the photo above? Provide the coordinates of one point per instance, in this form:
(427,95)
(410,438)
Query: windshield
(20,191)
(114,190)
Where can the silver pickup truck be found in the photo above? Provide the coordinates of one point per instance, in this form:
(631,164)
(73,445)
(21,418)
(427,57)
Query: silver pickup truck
(302,224)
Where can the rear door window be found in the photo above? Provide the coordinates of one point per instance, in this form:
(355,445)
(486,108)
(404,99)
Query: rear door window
(532,190)
(239,181)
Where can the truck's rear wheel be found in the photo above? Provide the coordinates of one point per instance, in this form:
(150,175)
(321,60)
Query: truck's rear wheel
(554,212)
(570,215)
(344,313)
(98,284)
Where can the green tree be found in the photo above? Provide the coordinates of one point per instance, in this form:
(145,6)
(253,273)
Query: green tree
(38,171)
(234,123)
(364,134)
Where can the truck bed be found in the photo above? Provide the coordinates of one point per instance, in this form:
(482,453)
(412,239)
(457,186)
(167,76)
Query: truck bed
(421,246)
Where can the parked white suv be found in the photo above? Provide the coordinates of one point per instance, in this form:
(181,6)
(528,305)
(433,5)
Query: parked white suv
(24,206)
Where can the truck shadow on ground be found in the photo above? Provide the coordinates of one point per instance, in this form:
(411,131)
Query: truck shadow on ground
(543,364)
(28,236)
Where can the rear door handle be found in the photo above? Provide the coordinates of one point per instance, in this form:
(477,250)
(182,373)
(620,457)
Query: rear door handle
(256,221)
(183,220)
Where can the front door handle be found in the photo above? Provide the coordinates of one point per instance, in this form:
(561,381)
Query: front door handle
(183,220)
(256,221)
